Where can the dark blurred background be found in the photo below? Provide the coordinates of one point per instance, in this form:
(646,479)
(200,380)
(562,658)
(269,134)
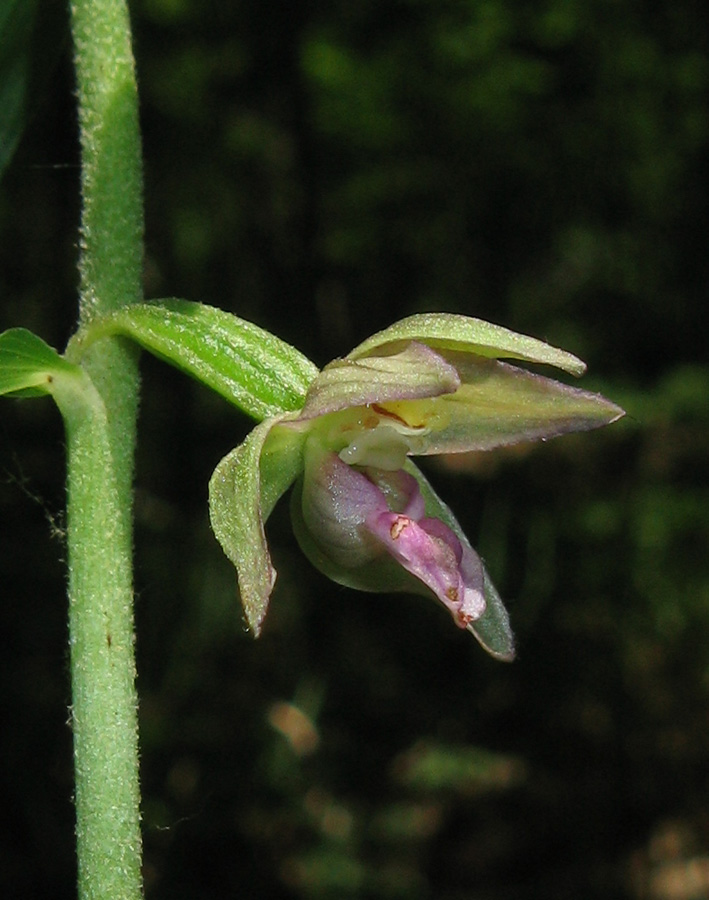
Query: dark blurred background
(323,169)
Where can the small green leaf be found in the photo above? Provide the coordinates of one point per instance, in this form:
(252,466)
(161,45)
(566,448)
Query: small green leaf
(28,366)
(247,365)
(452,332)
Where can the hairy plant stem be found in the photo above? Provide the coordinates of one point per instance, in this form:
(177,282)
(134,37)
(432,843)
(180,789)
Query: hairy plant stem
(101,428)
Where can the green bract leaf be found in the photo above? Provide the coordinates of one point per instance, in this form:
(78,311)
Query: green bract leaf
(30,367)
(447,331)
(240,501)
(247,365)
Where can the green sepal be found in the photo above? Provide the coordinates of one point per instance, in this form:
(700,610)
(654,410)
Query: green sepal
(447,331)
(248,366)
(243,490)
(496,405)
(29,367)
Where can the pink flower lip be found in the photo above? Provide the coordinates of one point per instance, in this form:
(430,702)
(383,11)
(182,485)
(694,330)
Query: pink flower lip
(364,512)
(429,550)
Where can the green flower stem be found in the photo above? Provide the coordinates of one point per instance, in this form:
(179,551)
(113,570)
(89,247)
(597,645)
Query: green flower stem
(112,214)
(101,439)
(104,705)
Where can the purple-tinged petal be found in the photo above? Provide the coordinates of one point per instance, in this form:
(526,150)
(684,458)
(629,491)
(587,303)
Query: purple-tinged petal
(416,371)
(337,500)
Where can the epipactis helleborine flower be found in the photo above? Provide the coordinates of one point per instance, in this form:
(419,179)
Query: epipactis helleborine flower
(362,512)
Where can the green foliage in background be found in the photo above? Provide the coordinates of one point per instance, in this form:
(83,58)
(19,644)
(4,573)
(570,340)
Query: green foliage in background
(16,22)
(323,170)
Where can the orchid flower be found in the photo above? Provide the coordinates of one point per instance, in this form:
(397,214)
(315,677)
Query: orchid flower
(362,512)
